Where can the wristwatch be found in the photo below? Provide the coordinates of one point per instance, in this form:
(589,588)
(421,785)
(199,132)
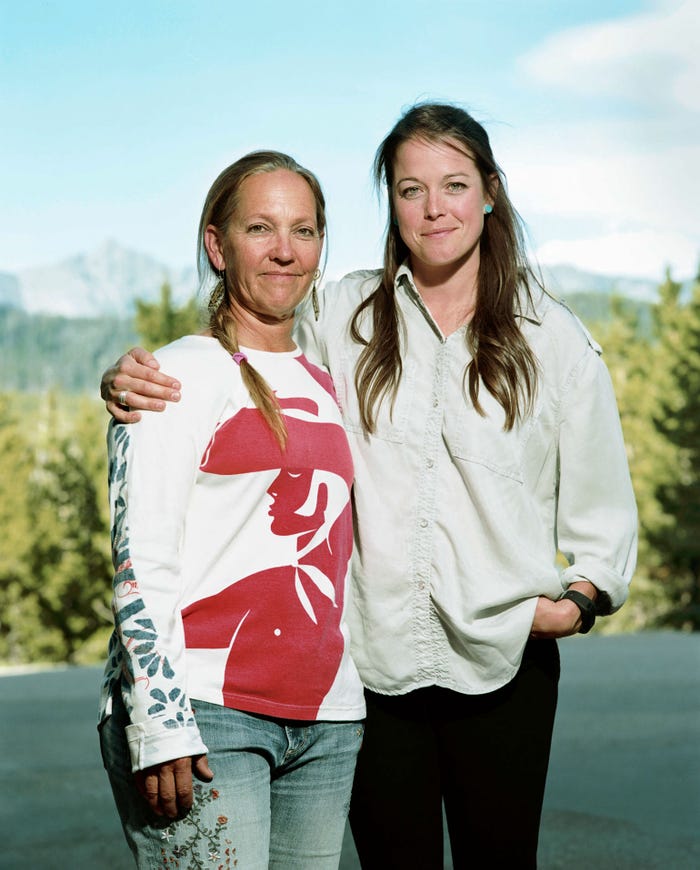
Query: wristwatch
(587,607)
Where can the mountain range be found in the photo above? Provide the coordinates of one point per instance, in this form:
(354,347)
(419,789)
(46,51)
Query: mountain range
(108,280)
(61,325)
(104,282)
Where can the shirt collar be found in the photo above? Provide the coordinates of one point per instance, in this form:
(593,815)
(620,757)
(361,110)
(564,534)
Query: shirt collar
(404,283)
(529,302)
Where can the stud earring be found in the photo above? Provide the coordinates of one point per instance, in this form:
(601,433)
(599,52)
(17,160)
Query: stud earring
(488,209)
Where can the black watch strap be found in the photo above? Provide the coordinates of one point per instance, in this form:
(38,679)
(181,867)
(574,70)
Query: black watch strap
(587,607)
(603,604)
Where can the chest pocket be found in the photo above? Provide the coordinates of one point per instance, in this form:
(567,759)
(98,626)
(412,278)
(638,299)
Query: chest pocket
(392,428)
(483,441)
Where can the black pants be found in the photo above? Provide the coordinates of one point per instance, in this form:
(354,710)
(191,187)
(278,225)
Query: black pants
(485,756)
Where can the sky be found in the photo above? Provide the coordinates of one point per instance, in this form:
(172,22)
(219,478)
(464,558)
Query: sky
(117,117)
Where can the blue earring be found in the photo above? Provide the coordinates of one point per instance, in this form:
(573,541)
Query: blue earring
(488,209)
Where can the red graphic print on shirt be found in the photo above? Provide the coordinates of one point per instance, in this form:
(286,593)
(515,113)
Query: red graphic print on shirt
(282,624)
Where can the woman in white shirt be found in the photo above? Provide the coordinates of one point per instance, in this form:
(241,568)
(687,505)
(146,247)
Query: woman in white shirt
(486,441)
(231,539)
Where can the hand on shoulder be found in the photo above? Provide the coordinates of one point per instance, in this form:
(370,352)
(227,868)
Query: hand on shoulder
(135,383)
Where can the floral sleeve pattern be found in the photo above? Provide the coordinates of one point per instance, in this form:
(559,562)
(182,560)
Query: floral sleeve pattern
(136,658)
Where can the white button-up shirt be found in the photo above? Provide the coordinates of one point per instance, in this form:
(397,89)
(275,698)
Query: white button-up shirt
(458,522)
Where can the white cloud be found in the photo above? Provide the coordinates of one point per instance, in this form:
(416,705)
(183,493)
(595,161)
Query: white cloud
(605,180)
(626,188)
(644,254)
(631,213)
(650,58)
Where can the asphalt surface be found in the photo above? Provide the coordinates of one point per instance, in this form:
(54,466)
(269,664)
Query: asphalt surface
(623,790)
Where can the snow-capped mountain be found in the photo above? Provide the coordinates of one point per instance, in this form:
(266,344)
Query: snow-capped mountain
(104,281)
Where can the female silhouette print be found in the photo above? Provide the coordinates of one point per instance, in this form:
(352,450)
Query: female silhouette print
(281,624)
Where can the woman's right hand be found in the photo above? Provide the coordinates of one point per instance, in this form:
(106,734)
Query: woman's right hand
(562,618)
(167,787)
(137,375)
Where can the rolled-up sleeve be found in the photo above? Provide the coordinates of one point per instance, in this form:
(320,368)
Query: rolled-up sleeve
(596,513)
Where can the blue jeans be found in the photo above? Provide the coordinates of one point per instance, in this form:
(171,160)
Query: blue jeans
(279,797)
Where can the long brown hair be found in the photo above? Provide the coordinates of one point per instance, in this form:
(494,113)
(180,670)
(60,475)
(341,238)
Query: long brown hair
(501,357)
(219,208)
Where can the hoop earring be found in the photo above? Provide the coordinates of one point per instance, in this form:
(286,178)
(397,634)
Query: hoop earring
(314,295)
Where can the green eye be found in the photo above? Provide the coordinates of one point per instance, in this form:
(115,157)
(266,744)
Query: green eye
(410,192)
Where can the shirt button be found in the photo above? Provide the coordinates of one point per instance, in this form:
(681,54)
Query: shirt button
(430,463)
(436,402)
(421,585)
(423,524)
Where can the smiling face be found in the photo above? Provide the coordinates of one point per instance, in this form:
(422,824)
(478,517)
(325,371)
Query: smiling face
(439,198)
(271,246)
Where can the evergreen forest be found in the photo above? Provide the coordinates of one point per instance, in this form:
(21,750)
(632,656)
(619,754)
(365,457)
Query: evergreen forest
(55,567)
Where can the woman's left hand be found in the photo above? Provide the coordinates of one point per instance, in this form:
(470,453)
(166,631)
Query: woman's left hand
(560,618)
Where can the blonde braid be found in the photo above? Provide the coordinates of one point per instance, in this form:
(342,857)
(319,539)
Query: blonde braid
(223,327)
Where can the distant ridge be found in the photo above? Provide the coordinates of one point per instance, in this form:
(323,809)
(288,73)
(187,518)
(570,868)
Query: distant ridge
(62,325)
(10,293)
(106,281)
(563,280)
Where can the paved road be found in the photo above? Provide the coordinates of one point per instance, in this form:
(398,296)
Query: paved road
(623,792)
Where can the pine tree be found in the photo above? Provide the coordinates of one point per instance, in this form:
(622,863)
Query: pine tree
(677,418)
(68,570)
(15,467)
(630,355)
(161,322)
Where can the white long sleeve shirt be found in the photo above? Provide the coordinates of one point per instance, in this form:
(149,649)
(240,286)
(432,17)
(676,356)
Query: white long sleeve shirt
(458,522)
(231,558)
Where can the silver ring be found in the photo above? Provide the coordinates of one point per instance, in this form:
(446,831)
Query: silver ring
(122,397)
